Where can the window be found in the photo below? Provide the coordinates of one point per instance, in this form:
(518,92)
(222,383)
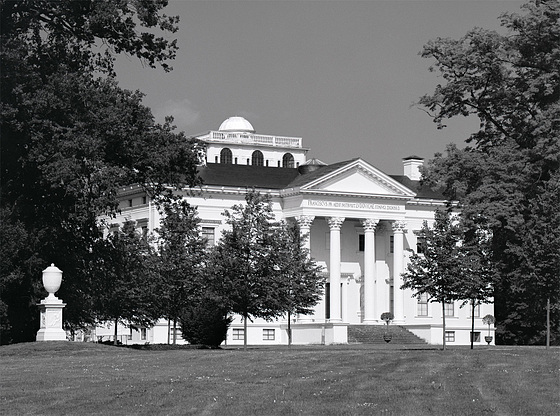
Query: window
(216,159)
(423,305)
(392,244)
(449,336)
(208,234)
(143,334)
(268,334)
(288,160)
(129,203)
(476,311)
(175,334)
(420,246)
(449,309)
(144,200)
(257,159)
(361,242)
(129,336)
(238,334)
(475,336)
(226,156)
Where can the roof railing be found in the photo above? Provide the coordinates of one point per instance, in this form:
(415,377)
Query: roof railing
(251,138)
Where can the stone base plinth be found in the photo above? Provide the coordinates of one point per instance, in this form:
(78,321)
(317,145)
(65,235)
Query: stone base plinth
(51,320)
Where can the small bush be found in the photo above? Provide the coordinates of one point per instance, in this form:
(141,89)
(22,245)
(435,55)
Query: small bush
(205,323)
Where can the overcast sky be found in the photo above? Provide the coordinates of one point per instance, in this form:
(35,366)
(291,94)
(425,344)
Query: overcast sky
(341,74)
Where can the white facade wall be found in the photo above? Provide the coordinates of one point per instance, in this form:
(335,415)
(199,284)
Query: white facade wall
(357,195)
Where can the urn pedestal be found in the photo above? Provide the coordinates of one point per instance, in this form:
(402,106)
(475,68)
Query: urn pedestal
(50,308)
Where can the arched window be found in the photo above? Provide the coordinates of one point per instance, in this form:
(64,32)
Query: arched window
(257,159)
(226,156)
(288,160)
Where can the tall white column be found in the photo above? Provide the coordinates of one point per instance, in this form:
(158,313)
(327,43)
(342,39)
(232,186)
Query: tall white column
(344,300)
(335,223)
(370,289)
(304,222)
(398,256)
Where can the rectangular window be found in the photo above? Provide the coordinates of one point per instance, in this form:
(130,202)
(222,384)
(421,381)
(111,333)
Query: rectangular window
(361,242)
(143,334)
(420,246)
(177,334)
(476,337)
(449,309)
(268,334)
(129,203)
(144,200)
(238,334)
(392,244)
(449,336)
(129,336)
(423,305)
(476,311)
(209,234)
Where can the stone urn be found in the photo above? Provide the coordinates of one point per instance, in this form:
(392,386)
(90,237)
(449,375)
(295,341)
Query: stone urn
(488,339)
(52,279)
(387,337)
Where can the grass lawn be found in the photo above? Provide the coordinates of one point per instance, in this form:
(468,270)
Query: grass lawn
(63,378)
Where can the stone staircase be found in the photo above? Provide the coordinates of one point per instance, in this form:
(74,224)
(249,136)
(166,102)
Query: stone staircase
(373,334)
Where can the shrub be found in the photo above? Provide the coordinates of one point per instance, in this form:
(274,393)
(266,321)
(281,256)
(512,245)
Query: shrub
(205,323)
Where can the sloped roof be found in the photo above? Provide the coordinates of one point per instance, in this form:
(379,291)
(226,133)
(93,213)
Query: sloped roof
(422,191)
(246,176)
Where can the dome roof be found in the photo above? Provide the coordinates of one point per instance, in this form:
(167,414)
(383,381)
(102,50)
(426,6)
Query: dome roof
(236,124)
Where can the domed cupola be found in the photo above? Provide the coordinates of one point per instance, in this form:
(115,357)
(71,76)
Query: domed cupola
(237,123)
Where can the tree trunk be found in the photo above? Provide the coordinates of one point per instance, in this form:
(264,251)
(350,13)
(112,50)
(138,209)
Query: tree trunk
(443,315)
(168,331)
(289,330)
(245,331)
(116,328)
(548,323)
(472,323)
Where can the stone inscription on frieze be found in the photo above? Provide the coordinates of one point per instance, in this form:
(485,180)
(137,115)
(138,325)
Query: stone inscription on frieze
(354,205)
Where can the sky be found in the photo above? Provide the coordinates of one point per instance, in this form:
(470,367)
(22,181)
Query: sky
(343,75)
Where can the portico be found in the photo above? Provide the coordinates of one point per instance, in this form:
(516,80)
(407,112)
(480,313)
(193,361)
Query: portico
(340,215)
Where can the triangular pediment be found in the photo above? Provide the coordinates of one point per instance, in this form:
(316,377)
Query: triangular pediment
(358,178)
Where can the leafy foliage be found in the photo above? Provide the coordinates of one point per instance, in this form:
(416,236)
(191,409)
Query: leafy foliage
(127,292)
(261,264)
(181,258)
(71,138)
(512,84)
(436,271)
(205,322)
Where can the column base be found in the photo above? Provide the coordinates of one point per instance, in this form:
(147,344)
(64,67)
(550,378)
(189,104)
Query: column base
(51,335)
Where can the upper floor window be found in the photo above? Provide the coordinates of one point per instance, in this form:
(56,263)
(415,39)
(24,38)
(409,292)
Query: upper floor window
(209,234)
(226,156)
(257,158)
(288,160)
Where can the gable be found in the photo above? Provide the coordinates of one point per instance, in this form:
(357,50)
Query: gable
(359,178)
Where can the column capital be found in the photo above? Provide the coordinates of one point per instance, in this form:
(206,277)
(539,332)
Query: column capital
(335,222)
(304,221)
(369,224)
(398,226)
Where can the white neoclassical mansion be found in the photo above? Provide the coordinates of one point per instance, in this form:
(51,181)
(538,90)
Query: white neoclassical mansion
(361,222)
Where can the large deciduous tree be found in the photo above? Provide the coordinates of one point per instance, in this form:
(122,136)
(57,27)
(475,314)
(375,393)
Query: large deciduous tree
(181,260)
(504,177)
(70,139)
(244,260)
(301,281)
(435,271)
(127,287)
